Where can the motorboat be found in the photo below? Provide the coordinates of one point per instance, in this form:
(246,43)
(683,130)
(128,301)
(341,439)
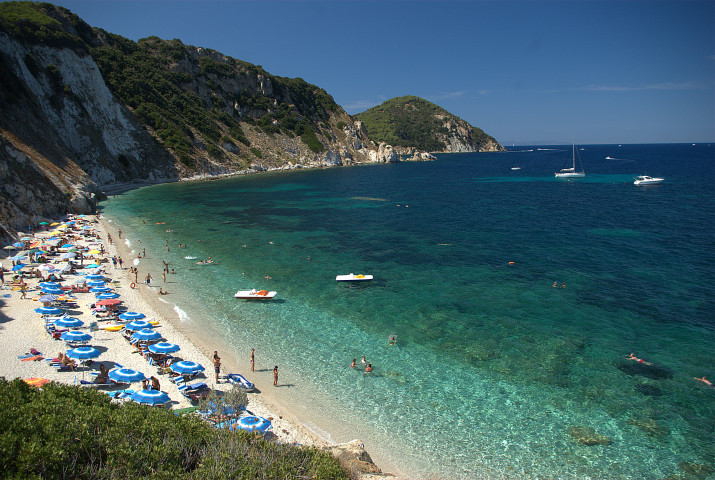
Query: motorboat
(238,380)
(516,168)
(351,277)
(646,180)
(255,294)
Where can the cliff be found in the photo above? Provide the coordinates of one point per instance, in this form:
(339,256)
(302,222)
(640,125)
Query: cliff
(413,122)
(83,110)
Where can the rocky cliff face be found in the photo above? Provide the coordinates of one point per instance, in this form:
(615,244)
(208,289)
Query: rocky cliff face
(62,134)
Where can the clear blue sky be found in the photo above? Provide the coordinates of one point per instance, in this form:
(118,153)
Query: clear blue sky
(524,71)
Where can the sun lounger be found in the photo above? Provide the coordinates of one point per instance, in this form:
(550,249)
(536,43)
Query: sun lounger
(195,391)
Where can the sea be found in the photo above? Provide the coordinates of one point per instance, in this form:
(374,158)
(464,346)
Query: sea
(515,298)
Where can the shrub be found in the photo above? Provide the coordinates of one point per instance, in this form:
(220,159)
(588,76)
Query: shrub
(256,152)
(312,141)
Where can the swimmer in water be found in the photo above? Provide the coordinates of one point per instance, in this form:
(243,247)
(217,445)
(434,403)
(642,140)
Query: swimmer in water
(704,380)
(639,360)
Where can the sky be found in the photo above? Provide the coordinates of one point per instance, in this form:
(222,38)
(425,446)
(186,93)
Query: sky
(526,72)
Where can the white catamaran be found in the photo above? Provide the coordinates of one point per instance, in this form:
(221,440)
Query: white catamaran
(571,172)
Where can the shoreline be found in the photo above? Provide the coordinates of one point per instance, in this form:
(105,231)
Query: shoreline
(17,314)
(229,363)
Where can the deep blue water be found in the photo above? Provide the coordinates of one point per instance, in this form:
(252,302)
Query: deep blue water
(493,366)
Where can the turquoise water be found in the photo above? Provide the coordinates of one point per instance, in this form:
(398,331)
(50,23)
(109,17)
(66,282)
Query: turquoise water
(493,366)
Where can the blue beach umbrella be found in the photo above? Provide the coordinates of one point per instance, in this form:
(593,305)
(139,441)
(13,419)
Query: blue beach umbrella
(131,316)
(19,257)
(47,299)
(17,267)
(76,336)
(100,289)
(96,283)
(89,267)
(164,347)
(150,397)
(50,285)
(146,335)
(69,322)
(126,375)
(18,244)
(67,245)
(186,367)
(83,353)
(252,423)
(137,325)
(48,310)
(52,291)
(94,276)
(107,296)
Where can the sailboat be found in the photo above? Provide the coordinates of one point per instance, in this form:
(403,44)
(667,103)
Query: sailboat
(571,172)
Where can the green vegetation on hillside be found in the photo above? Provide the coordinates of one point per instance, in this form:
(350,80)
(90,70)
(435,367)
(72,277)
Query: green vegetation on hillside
(412,122)
(187,112)
(44,23)
(64,431)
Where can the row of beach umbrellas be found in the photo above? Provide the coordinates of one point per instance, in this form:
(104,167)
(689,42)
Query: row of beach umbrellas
(142,330)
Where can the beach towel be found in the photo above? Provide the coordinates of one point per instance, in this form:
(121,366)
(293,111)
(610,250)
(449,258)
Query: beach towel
(33,358)
(32,353)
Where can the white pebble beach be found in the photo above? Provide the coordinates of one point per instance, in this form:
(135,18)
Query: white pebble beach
(22,329)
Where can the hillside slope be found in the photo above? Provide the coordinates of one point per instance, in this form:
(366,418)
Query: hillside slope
(414,122)
(84,110)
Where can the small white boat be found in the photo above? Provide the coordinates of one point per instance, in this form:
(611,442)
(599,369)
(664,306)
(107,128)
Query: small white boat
(255,295)
(516,168)
(351,277)
(646,180)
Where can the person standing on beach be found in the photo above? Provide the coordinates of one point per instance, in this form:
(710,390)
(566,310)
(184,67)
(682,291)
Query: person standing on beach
(163,276)
(120,233)
(217,364)
(275,376)
(253,363)
(148,279)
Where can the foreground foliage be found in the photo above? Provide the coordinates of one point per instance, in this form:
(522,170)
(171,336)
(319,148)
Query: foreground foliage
(63,431)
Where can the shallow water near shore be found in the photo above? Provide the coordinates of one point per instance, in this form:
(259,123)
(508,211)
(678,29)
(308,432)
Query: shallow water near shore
(493,366)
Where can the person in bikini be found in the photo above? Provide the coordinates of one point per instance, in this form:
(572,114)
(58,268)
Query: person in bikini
(639,360)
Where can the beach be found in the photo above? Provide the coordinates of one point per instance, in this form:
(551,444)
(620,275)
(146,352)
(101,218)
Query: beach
(23,329)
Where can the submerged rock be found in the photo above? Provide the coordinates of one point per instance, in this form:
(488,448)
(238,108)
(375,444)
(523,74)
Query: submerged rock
(588,436)
(649,426)
(698,469)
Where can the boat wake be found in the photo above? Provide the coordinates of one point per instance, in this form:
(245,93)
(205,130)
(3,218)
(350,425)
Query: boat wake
(190,258)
